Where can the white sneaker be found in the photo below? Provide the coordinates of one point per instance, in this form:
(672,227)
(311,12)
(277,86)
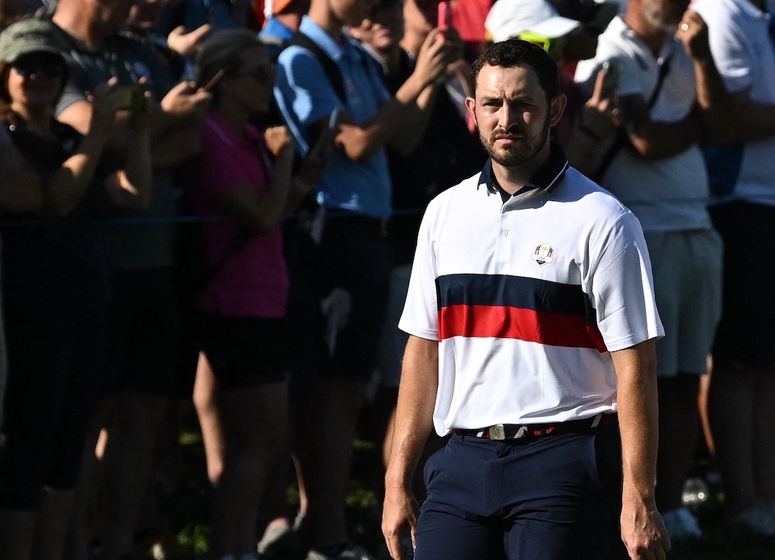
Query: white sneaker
(681,524)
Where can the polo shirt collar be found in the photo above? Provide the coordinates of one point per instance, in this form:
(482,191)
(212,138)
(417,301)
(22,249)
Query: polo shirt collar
(330,46)
(545,179)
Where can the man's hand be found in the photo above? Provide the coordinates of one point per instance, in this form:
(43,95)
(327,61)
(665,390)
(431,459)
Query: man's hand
(434,56)
(184,100)
(399,513)
(643,531)
(186,43)
(600,114)
(693,33)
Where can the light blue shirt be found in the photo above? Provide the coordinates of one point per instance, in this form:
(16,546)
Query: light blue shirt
(305,96)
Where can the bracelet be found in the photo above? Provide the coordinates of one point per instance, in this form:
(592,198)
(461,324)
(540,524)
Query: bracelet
(588,132)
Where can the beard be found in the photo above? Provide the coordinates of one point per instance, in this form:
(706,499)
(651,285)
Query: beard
(665,22)
(520,151)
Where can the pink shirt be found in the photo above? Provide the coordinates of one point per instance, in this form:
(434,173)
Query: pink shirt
(253,280)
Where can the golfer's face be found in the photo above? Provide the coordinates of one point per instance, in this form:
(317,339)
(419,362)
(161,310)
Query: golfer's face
(512,113)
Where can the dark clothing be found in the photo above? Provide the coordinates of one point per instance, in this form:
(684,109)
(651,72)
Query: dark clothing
(55,290)
(147,244)
(447,153)
(746,331)
(552,498)
(142,349)
(244,351)
(144,327)
(356,257)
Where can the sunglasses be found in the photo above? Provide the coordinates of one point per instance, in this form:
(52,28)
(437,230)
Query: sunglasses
(49,66)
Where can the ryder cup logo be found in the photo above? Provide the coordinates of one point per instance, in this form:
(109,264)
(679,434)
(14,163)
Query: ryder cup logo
(543,253)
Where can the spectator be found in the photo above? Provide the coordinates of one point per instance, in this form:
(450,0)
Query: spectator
(670,94)
(447,153)
(285,19)
(142,378)
(20,193)
(56,285)
(245,299)
(468,18)
(742,392)
(355,189)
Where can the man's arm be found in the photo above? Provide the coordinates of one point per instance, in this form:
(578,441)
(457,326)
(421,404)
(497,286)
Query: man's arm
(714,103)
(173,125)
(413,424)
(397,120)
(643,531)
(654,139)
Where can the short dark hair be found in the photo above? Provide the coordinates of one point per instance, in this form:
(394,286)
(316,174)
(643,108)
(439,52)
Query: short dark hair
(515,52)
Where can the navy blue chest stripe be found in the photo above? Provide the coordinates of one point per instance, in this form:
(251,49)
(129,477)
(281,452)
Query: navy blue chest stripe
(514,291)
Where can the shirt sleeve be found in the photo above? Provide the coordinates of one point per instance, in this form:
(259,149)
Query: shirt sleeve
(621,286)
(303,93)
(729,47)
(421,313)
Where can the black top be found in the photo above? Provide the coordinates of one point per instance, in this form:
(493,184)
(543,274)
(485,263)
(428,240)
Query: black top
(58,260)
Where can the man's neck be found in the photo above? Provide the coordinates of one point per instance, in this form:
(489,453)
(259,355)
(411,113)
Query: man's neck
(321,14)
(652,36)
(513,178)
(78,25)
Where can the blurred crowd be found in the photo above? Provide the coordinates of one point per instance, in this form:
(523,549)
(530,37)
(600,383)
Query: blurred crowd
(218,200)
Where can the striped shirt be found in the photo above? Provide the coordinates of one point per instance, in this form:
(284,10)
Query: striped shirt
(526,295)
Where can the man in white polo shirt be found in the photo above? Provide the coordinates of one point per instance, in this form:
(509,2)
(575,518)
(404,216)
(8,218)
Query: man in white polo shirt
(742,392)
(532,323)
(671,97)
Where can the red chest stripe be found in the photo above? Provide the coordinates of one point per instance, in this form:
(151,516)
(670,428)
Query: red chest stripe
(494,321)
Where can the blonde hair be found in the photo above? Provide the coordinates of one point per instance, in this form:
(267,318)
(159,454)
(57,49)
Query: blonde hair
(221,51)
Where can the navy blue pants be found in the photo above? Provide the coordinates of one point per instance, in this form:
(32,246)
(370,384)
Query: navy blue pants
(553,498)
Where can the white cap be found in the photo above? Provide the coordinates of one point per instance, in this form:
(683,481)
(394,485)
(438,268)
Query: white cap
(509,18)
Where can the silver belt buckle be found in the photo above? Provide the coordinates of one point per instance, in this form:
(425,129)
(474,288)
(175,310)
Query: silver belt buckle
(497,432)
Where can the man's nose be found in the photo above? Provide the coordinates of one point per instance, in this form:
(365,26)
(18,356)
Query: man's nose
(507,116)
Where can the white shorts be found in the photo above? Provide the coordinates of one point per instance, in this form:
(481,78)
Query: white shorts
(687,279)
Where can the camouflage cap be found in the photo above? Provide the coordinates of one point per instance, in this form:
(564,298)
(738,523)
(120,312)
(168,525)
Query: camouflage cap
(30,35)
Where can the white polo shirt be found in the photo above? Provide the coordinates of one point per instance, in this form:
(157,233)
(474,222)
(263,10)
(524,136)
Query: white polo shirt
(527,297)
(742,40)
(667,194)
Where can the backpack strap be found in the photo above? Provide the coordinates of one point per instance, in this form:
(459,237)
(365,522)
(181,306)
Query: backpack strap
(622,139)
(330,67)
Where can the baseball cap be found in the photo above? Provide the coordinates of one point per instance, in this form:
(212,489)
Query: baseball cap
(510,18)
(27,36)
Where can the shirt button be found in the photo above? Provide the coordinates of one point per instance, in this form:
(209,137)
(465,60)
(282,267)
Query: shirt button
(505,233)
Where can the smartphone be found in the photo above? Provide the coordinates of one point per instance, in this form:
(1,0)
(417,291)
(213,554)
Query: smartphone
(611,79)
(444,16)
(133,98)
(212,82)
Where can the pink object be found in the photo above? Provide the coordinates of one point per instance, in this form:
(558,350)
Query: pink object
(444,16)
(252,281)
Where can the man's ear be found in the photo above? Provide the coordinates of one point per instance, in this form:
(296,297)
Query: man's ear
(556,108)
(471,108)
